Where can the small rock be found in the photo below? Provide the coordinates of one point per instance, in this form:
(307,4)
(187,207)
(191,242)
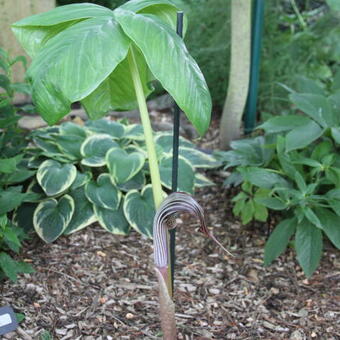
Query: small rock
(297,335)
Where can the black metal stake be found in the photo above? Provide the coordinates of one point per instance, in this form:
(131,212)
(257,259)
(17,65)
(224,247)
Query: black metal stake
(175,146)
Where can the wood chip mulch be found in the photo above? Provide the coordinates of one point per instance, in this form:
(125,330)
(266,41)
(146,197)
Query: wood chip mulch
(96,286)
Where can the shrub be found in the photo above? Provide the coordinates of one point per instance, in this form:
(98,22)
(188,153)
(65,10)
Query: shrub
(294,169)
(99,172)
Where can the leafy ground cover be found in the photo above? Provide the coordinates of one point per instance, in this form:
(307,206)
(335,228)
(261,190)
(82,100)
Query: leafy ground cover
(94,285)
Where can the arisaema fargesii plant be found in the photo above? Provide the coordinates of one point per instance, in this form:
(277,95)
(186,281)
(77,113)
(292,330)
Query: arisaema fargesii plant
(107,60)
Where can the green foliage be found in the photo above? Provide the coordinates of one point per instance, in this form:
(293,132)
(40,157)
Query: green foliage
(13,170)
(298,171)
(106,181)
(85,52)
(297,44)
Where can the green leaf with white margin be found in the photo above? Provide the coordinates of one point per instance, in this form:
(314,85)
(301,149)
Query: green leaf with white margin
(83,211)
(202,181)
(186,174)
(278,240)
(199,159)
(134,132)
(164,140)
(55,177)
(308,246)
(105,126)
(57,72)
(137,182)
(302,136)
(330,225)
(117,91)
(70,139)
(34,31)
(81,179)
(123,166)
(170,63)
(113,221)
(94,149)
(52,217)
(103,192)
(139,210)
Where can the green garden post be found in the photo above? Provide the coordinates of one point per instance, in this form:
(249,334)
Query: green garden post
(257,29)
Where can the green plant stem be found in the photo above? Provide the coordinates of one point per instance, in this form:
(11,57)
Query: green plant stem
(150,145)
(148,133)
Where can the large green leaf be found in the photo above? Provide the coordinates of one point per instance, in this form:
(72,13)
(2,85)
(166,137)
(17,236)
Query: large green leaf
(103,193)
(33,32)
(117,91)
(113,221)
(55,177)
(199,159)
(283,123)
(308,244)
(170,63)
(52,217)
(263,178)
(74,63)
(139,210)
(330,225)
(302,136)
(163,9)
(317,107)
(95,148)
(123,166)
(83,212)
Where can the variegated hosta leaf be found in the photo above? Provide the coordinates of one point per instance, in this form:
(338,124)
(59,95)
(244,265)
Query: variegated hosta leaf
(164,139)
(139,210)
(83,211)
(105,126)
(134,132)
(186,174)
(123,166)
(103,193)
(202,181)
(52,217)
(70,139)
(81,179)
(33,32)
(55,177)
(137,182)
(198,159)
(95,148)
(113,221)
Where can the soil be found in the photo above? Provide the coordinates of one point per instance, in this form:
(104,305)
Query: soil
(95,285)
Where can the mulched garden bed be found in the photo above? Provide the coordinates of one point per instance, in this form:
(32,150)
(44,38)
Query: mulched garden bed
(95,285)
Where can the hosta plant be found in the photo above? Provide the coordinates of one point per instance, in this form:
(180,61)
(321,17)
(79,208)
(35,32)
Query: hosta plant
(106,60)
(100,172)
(300,174)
